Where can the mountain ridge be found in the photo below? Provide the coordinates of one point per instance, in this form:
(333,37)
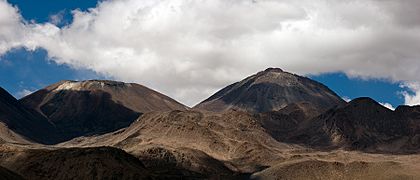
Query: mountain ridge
(276,124)
(28,125)
(363,124)
(82,108)
(271,90)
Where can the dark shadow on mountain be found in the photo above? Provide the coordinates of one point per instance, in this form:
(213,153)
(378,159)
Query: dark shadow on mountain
(26,122)
(87,113)
(264,97)
(363,124)
(6,174)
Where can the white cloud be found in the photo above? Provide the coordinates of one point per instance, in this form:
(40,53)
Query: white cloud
(345,98)
(388,105)
(413,97)
(23,93)
(10,27)
(190,48)
(57,18)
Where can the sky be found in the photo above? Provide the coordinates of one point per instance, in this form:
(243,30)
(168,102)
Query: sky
(189,49)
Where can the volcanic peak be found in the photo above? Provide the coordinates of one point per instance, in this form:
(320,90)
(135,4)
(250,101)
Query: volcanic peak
(89,84)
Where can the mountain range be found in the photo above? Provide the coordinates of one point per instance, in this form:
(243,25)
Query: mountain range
(271,125)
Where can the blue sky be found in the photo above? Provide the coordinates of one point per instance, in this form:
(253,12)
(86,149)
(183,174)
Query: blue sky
(42,10)
(380,90)
(22,71)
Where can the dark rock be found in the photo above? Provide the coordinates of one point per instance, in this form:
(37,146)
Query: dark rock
(26,122)
(96,106)
(271,90)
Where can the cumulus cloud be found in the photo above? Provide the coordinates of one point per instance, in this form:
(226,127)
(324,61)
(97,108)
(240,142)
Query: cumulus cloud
(190,48)
(413,97)
(10,27)
(57,18)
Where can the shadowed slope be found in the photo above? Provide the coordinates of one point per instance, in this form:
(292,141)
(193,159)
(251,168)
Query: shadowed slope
(6,174)
(285,122)
(234,136)
(75,163)
(363,124)
(19,124)
(271,90)
(96,107)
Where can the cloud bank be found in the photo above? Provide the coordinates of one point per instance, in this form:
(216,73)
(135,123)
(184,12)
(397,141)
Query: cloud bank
(188,49)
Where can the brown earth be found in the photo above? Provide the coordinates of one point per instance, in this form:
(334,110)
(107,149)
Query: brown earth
(96,106)
(234,137)
(276,126)
(363,124)
(22,125)
(316,169)
(74,163)
(271,90)
(6,174)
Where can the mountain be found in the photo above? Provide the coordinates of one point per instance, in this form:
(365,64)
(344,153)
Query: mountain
(52,163)
(271,125)
(74,163)
(9,136)
(364,124)
(271,90)
(6,174)
(96,106)
(21,125)
(236,144)
(206,143)
(318,169)
(285,122)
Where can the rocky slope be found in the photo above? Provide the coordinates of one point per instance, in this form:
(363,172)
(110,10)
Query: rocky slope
(9,136)
(21,125)
(74,163)
(285,122)
(96,106)
(103,163)
(317,169)
(270,125)
(6,174)
(234,139)
(363,124)
(271,90)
